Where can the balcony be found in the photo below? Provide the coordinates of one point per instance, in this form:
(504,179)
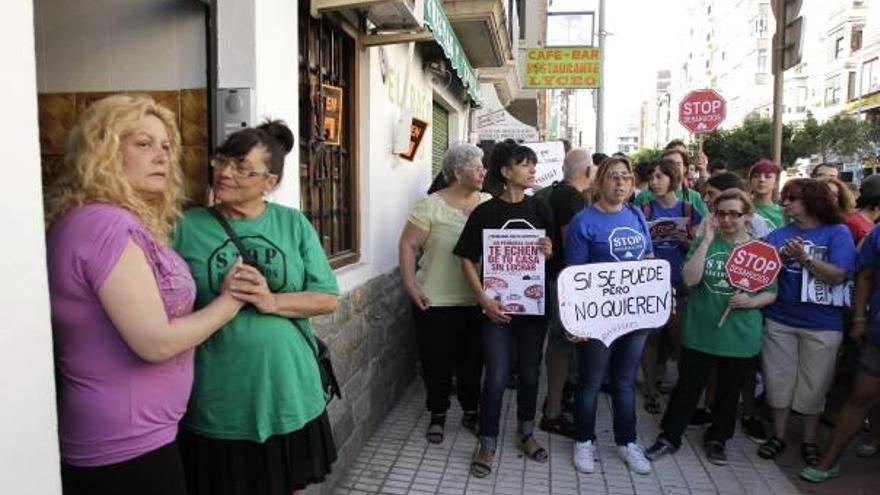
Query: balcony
(481,26)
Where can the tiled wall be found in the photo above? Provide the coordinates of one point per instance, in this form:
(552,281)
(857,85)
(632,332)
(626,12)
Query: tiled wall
(58,113)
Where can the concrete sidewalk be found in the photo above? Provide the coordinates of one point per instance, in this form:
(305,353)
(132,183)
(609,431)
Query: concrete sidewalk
(398,460)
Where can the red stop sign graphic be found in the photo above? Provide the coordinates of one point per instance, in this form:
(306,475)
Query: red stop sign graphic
(702,110)
(753,266)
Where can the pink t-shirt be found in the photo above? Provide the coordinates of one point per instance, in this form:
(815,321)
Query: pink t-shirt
(113,405)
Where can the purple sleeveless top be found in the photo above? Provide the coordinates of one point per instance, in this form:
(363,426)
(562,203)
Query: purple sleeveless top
(113,405)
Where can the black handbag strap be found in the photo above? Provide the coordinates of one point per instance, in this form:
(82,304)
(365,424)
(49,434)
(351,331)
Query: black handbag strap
(248,260)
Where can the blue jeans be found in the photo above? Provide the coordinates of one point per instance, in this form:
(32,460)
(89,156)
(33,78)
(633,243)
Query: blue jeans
(622,359)
(528,331)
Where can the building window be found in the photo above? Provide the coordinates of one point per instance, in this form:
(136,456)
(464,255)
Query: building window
(801,101)
(838,48)
(328,173)
(870,77)
(851,86)
(832,91)
(855,40)
(762,61)
(761,25)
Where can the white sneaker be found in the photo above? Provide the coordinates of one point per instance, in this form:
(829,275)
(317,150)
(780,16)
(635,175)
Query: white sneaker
(583,457)
(634,456)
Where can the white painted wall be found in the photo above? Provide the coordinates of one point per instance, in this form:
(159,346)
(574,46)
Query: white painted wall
(28,443)
(277,81)
(389,185)
(96,45)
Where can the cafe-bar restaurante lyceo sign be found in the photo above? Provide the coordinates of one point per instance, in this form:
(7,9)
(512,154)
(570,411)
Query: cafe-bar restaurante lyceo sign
(559,67)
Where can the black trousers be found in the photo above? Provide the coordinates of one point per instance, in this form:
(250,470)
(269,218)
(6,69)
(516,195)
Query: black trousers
(449,341)
(694,370)
(159,472)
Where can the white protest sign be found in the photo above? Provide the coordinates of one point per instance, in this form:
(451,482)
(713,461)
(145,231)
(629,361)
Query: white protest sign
(550,157)
(513,269)
(607,300)
(815,291)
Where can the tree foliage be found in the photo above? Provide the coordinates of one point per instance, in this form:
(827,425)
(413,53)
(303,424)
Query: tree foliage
(645,155)
(842,136)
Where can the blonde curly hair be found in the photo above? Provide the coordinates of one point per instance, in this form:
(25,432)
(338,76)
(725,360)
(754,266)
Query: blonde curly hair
(92,170)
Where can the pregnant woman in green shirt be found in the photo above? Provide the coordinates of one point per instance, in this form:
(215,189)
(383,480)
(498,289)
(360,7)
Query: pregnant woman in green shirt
(256,421)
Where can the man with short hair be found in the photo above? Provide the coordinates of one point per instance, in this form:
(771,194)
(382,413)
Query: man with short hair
(825,171)
(717,167)
(565,198)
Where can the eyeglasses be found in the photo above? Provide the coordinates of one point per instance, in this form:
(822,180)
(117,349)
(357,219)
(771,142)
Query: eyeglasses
(241,168)
(731,214)
(620,176)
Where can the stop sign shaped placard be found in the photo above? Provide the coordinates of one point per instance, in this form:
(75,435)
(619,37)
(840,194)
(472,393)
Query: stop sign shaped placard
(753,266)
(702,110)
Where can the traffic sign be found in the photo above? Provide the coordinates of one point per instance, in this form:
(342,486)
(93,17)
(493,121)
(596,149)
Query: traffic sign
(753,266)
(702,110)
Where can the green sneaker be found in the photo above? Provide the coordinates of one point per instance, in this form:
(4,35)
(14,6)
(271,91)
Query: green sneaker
(818,476)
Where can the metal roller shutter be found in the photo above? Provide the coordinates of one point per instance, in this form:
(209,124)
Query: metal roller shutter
(439,137)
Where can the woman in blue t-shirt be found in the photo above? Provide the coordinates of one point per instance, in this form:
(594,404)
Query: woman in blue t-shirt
(866,331)
(610,230)
(803,330)
(672,222)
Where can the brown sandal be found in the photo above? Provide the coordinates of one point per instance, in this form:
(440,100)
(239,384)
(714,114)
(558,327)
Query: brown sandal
(533,450)
(481,464)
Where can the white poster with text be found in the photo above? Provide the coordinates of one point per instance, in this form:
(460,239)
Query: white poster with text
(550,157)
(513,269)
(607,300)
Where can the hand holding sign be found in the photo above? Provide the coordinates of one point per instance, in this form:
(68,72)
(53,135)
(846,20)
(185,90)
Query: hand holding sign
(751,267)
(607,300)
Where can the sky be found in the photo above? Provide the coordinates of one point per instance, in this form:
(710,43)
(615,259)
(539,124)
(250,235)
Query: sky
(642,37)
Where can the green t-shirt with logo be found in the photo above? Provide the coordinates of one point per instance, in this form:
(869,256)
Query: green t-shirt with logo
(257,376)
(771,212)
(740,336)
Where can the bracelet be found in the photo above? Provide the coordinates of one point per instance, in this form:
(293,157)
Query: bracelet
(859,319)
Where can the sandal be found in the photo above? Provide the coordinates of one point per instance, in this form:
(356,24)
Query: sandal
(818,476)
(810,454)
(530,447)
(435,428)
(481,464)
(772,448)
(653,403)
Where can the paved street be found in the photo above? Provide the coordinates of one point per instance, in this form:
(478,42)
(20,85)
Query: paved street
(398,460)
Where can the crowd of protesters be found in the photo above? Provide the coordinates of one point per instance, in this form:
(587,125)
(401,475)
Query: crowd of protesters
(186,361)
(727,344)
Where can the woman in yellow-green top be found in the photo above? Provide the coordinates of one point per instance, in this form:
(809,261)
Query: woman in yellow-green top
(447,317)
(256,421)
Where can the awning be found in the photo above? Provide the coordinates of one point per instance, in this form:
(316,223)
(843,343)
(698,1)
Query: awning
(438,23)
(867,102)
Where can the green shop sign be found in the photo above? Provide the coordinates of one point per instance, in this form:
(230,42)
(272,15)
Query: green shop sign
(439,24)
(558,67)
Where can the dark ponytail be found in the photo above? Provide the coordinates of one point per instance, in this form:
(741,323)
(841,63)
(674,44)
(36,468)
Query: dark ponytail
(273,135)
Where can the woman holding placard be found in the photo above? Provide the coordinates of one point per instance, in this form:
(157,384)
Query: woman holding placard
(803,333)
(610,230)
(672,222)
(511,171)
(729,346)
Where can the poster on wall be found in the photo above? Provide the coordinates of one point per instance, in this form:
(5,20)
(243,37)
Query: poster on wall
(550,157)
(332,114)
(416,134)
(513,269)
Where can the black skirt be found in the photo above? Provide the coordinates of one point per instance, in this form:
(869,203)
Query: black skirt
(281,464)
(159,472)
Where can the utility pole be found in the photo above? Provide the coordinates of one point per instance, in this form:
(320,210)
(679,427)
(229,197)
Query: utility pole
(778,79)
(600,91)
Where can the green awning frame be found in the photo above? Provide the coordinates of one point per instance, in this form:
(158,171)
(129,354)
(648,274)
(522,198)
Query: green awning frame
(438,23)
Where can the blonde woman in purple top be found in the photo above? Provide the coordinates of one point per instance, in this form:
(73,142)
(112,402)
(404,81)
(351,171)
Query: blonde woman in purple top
(122,302)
